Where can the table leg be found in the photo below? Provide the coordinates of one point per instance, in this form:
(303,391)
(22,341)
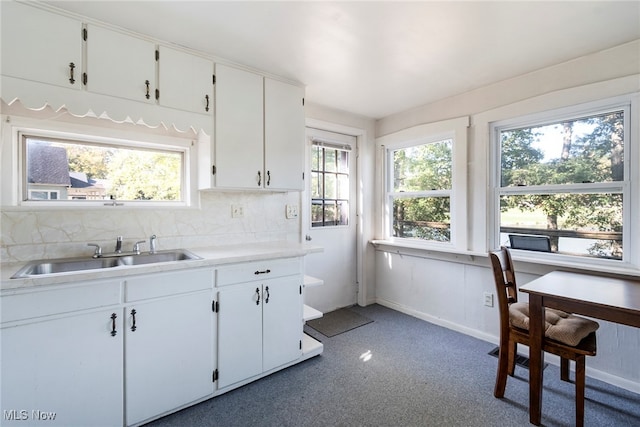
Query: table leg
(536,357)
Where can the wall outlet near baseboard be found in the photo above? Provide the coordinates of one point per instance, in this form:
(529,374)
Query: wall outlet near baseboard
(488,299)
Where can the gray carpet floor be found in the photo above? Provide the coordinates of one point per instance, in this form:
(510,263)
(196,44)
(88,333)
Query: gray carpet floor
(402,371)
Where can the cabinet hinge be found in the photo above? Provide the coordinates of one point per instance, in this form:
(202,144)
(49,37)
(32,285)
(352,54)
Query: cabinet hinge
(84,34)
(303,102)
(215,306)
(214,79)
(300,344)
(157,55)
(300,289)
(84,79)
(213,169)
(157,94)
(303,176)
(214,377)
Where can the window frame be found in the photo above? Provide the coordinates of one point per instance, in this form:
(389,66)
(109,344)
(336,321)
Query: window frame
(15,188)
(627,187)
(327,145)
(456,131)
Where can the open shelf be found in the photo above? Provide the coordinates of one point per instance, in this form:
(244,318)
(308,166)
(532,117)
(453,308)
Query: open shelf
(310,313)
(310,346)
(312,281)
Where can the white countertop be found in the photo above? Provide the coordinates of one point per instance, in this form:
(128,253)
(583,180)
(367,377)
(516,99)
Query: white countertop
(211,257)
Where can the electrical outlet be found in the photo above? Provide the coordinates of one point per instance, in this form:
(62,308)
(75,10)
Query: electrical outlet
(237,211)
(292,211)
(488,299)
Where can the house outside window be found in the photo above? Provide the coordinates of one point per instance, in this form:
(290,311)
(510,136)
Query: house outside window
(563,182)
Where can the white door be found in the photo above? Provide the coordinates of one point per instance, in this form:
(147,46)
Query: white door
(329,219)
(281,325)
(169,356)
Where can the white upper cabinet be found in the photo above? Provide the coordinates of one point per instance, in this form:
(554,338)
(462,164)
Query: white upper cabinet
(120,65)
(185,81)
(259,134)
(283,135)
(41,46)
(238,131)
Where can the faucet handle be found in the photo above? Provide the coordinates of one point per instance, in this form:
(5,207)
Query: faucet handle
(136,246)
(98,252)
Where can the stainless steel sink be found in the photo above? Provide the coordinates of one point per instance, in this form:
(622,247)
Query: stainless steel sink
(160,256)
(65,265)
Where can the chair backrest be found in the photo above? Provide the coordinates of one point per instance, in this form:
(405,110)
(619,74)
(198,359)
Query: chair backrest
(505,280)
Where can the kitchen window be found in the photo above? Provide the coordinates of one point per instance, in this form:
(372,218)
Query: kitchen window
(63,168)
(563,182)
(425,185)
(329,184)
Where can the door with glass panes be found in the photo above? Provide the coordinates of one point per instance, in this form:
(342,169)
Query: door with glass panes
(329,219)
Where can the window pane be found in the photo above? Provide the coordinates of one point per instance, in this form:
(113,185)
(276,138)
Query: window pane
(330,186)
(316,158)
(583,150)
(423,167)
(329,160)
(86,171)
(343,161)
(343,186)
(316,185)
(425,218)
(577,224)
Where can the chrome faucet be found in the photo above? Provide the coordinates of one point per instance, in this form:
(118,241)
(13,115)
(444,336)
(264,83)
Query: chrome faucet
(136,247)
(98,251)
(152,244)
(118,244)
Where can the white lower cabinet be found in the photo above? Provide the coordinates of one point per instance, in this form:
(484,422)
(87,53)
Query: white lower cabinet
(65,371)
(168,354)
(259,322)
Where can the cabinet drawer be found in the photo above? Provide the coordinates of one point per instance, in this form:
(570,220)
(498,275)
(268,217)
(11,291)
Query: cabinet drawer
(67,299)
(163,284)
(259,270)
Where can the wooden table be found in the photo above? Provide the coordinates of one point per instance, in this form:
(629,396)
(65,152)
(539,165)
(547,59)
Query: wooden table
(615,300)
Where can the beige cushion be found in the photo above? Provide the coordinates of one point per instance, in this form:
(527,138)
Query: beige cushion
(559,326)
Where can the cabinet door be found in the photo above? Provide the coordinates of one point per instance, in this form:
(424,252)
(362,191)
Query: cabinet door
(284,140)
(169,354)
(239,333)
(40,46)
(282,321)
(67,371)
(120,65)
(238,129)
(185,81)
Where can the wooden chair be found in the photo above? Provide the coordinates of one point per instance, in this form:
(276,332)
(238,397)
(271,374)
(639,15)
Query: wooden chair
(511,336)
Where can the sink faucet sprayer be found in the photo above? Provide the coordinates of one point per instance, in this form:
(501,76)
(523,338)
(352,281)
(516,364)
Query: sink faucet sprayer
(118,244)
(152,244)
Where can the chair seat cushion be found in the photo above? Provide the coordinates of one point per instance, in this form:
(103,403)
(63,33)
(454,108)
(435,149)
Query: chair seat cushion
(559,326)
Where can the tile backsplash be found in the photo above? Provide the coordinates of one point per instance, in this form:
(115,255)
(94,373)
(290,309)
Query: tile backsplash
(29,234)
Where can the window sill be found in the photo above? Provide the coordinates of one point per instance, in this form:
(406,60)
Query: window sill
(529,262)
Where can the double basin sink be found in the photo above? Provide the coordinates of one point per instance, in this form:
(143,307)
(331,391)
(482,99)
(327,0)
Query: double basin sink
(65,265)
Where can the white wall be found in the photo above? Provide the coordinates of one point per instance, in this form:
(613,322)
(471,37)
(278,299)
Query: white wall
(448,288)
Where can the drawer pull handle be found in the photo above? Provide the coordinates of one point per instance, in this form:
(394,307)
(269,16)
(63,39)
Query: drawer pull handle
(259,178)
(262,272)
(146,82)
(258,295)
(72,80)
(133,316)
(266,300)
(113,325)
(206,97)
(268,178)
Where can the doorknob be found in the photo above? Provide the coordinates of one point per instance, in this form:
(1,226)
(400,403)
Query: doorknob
(307,238)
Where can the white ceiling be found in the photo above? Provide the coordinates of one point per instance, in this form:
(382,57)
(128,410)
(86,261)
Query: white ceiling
(380,58)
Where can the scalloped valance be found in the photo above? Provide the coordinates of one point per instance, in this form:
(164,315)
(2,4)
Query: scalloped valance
(80,103)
